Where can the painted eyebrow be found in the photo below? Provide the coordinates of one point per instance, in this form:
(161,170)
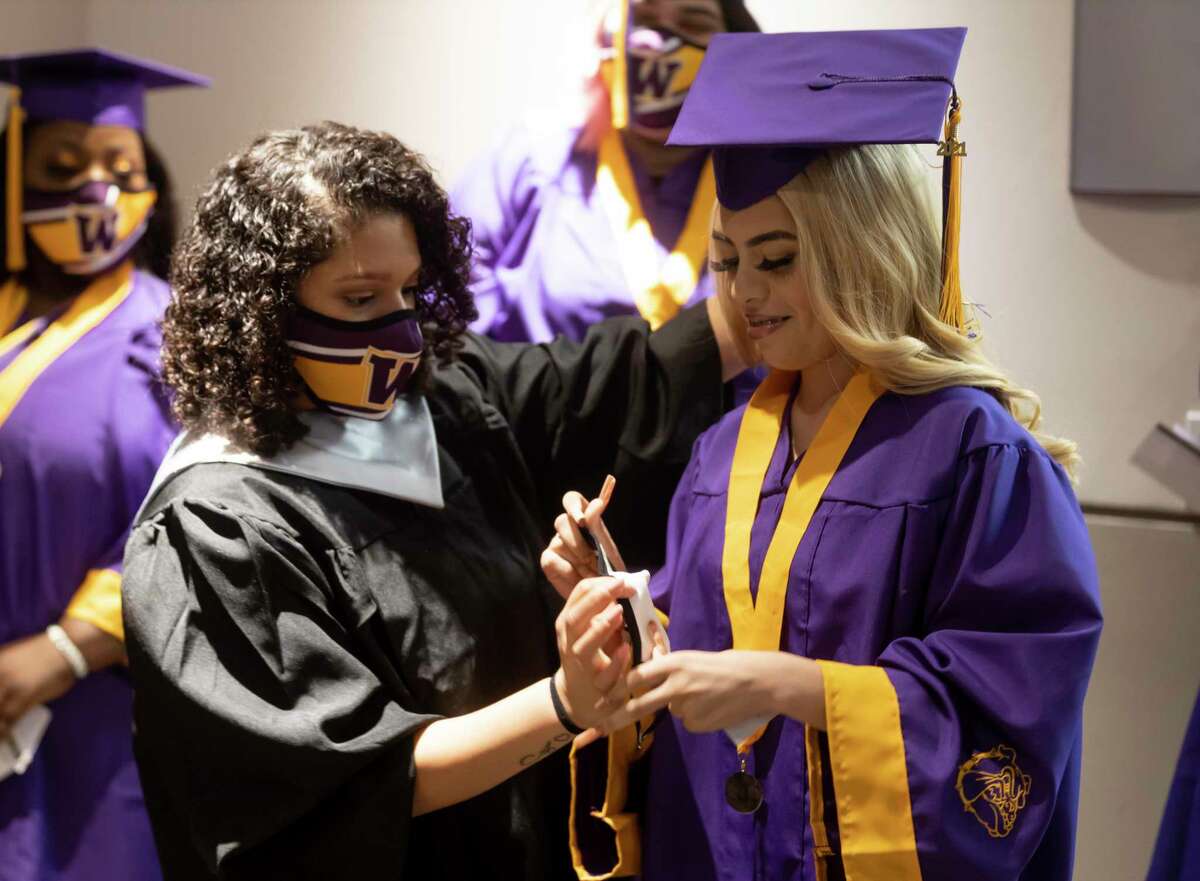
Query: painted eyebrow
(713,16)
(772,236)
(363,276)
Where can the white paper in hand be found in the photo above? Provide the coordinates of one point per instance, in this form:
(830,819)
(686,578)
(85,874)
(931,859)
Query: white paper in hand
(18,748)
(643,610)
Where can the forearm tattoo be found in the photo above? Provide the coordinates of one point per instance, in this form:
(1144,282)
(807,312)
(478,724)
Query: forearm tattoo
(551,746)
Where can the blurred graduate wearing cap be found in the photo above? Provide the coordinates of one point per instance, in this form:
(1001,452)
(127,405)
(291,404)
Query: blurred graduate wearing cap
(83,426)
(580,223)
(881,599)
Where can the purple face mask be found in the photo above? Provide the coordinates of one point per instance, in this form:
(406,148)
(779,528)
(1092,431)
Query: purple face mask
(356,368)
(660,68)
(90,229)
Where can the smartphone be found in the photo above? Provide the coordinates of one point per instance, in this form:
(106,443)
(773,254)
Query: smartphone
(638,610)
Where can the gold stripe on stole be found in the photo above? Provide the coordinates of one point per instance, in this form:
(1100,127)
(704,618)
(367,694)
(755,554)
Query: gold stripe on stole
(87,310)
(866,743)
(757,623)
(870,775)
(658,292)
(98,601)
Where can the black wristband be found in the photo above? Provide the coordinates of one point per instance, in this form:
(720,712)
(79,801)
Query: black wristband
(561,711)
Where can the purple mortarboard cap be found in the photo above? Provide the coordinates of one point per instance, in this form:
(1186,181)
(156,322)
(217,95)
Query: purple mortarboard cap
(90,85)
(768,104)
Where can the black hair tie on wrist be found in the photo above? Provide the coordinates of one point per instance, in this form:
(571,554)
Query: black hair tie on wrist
(561,711)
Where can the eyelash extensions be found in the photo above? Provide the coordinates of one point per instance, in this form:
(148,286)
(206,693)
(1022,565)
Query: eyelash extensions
(764,265)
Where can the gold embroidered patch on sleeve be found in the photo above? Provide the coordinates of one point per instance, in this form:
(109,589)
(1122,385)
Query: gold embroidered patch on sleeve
(993,789)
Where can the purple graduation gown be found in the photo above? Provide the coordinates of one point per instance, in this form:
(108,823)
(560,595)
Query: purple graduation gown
(1177,851)
(545,257)
(78,453)
(950,551)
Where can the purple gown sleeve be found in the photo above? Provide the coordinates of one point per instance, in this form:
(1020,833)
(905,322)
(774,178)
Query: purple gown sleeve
(949,755)
(499,195)
(142,429)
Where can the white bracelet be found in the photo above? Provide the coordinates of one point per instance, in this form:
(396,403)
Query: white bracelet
(67,648)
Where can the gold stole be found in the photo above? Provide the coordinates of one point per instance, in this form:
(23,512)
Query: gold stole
(658,292)
(98,599)
(86,311)
(757,623)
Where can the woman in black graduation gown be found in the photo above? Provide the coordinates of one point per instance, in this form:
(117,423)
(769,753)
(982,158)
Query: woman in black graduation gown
(335,615)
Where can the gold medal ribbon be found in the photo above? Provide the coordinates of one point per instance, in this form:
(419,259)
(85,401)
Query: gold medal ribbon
(757,622)
(659,292)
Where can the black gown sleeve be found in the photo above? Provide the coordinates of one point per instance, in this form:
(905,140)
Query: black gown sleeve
(623,401)
(271,743)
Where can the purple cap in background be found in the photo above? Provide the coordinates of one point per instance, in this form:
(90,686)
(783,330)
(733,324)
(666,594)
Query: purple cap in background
(94,86)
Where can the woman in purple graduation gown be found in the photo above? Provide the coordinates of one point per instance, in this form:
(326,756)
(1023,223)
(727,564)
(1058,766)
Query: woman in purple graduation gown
(83,425)
(881,599)
(584,222)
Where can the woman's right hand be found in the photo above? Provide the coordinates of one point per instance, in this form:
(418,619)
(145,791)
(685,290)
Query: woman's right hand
(593,651)
(31,672)
(569,558)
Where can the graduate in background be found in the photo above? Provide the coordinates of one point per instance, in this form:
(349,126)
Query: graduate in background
(343,645)
(1177,851)
(882,601)
(580,224)
(83,426)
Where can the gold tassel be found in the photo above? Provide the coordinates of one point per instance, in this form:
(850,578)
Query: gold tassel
(14,249)
(952,311)
(618,86)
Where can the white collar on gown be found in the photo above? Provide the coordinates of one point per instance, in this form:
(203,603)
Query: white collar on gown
(395,456)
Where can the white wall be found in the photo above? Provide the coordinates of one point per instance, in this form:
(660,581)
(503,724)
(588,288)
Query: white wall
(443,75)
(42,25)
(1141,694)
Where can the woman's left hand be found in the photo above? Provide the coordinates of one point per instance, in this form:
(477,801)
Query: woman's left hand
(710,691)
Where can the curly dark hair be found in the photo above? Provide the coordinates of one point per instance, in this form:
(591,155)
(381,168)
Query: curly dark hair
(270,214)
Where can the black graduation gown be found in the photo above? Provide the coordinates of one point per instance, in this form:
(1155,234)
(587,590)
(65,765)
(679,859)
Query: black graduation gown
(286,636)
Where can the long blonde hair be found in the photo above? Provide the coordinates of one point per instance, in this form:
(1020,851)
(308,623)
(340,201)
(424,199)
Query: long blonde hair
(871,252)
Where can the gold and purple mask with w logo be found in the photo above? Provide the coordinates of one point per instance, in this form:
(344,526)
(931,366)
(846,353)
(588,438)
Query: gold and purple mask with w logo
(660,66)
(657,67)
(90,229)
(356,368)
